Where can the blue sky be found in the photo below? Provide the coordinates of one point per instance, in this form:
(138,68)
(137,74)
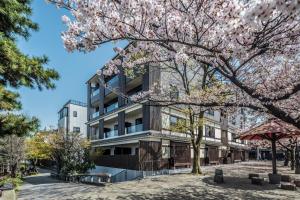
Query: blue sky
(74,68)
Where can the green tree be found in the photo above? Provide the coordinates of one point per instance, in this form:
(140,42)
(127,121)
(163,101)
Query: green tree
(71,152)
(18,69)
(37,148)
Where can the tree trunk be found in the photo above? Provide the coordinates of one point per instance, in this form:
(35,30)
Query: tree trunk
(13,169)
(292,158)
(286,158)
(196,161)
(297,170)
(274,154)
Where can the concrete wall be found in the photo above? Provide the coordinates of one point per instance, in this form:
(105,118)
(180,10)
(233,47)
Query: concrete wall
(78,121)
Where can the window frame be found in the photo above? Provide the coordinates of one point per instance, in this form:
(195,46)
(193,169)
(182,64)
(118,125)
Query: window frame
(76,129)
(75,113)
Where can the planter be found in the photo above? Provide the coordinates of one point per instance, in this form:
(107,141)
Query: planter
(274,178)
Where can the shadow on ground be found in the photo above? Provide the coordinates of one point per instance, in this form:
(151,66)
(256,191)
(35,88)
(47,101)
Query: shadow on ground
(192,193)
(231,182)
(38,180)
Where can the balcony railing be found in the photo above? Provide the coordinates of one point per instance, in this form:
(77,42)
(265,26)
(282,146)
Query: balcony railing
(110,134)
(134,129)
(95,92)
(94,115)
(112,84)
(111,107)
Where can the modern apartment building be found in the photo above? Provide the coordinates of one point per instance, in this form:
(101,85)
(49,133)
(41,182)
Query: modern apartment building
(72,117)
(138,136)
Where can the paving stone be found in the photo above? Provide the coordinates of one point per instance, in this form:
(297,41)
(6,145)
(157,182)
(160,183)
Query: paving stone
(297,182)
(286,178)
(288,186)
(257,180)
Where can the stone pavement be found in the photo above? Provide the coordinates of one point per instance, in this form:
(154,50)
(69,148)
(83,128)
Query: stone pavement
(183,186)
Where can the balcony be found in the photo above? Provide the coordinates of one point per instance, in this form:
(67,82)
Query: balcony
(111,134)
(134,129)
(112,84)
(111,107)
(95,92)
(94,115)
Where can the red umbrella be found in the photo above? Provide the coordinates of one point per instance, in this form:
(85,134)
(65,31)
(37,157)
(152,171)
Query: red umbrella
(272,130)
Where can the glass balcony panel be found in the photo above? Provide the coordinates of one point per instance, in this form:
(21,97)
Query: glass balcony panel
(110,134)
(94,115)
(134,128)
(111,107)
(95,92)
(112,84)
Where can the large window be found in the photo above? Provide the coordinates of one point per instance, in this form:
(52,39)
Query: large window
(233,137)
(63,113)
(209,131)
(174,92)
(165,151)
(210,112)
(74,113)
(76,129)
(177,123)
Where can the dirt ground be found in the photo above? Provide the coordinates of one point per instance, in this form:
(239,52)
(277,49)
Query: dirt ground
(182,186)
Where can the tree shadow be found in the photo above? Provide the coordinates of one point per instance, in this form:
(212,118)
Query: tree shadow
(191,192)
(40,179)
(239,183)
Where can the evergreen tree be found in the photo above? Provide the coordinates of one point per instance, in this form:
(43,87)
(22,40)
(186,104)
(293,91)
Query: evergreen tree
(18,69)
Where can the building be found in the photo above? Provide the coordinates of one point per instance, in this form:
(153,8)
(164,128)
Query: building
(72,117)
(138,136)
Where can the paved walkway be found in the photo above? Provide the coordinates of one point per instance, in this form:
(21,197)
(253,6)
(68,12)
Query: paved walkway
(43,187)
(184,186)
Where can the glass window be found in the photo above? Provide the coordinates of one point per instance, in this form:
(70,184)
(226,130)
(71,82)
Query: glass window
(233,137)
(177,123)
(165,151)
(74,113)
(210,112)
(76,129)
(233,120)
(209,131)
(174,92)
(63,113)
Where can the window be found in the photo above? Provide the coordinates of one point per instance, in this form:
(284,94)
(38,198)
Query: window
(63,113)
(174,92)
(233,120)
(74,113)
(210,112)
(233,137)
(165,150)
(177,123)
(209,131)
(76,129)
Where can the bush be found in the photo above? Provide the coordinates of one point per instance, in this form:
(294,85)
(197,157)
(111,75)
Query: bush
(15,181)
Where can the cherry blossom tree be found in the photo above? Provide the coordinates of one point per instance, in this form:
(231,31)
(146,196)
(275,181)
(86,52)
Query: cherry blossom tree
(253,45)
